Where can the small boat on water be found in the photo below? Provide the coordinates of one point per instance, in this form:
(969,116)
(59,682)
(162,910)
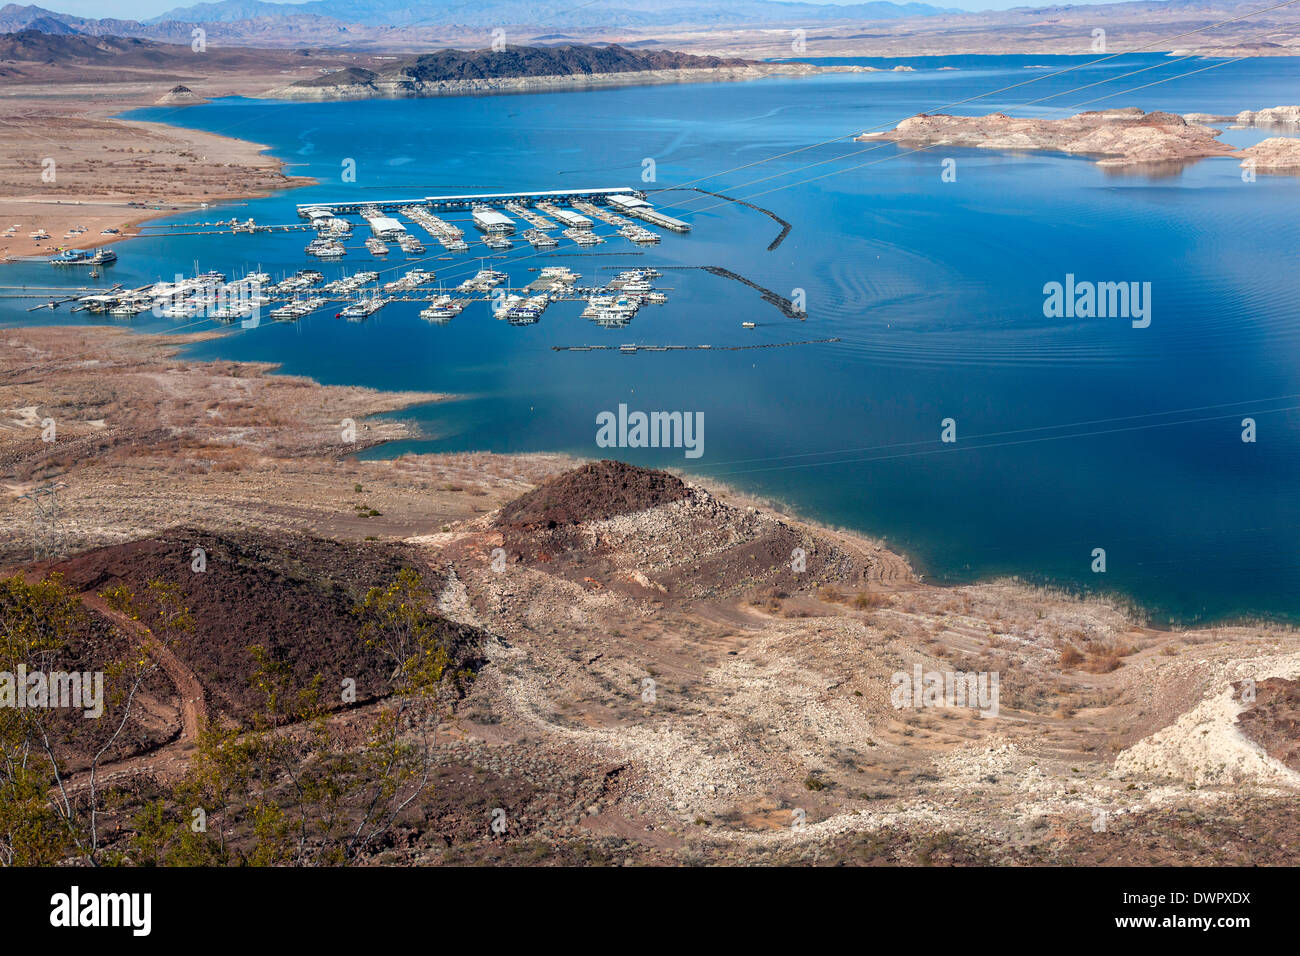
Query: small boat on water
(747,325)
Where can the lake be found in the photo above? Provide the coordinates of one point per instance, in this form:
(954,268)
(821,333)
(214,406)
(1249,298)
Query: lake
(1072,434)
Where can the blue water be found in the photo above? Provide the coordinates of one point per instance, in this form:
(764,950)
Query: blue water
(1073,434)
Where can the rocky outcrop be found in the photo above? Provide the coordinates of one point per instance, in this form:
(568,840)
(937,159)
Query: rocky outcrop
(1275,154)
(1288,116)
(1275,116)
(611,522)
(180,96)
(594,492)
(1119,137)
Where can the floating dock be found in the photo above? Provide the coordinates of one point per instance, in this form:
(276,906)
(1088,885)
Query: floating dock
(469,201)
(638,207)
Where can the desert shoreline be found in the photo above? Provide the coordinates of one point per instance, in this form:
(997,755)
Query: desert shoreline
(611,572)
(243,170)
(167,351)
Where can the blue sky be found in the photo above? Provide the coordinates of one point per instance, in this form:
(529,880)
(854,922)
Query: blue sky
(143,9)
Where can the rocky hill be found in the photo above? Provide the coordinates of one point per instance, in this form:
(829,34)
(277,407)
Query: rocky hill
(518,69)
(519,61)
(180,95)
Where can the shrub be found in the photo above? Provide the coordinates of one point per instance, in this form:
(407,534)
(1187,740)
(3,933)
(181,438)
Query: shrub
(1103,658)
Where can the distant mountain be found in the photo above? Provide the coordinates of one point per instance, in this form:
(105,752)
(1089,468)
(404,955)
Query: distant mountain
(273,31)
(230,10)
(324,21)
(393,26)
(401,13)
(36,46)
(15,17)
(74,50)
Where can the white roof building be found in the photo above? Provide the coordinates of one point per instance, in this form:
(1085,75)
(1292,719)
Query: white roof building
(385,227)
(489,220)
(570,218)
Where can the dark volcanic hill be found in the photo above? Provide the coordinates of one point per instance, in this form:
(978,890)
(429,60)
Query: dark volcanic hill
(292,595)
(593,492)
(516,61)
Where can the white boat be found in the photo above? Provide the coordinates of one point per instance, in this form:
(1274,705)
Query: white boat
(502,309)
(364,307)
(437,313)
(326,249)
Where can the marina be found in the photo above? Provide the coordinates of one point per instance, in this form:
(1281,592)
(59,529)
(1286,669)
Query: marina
(902,334)
(361,294)
(574,213)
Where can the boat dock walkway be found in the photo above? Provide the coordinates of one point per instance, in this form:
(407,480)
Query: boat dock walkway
(469,201)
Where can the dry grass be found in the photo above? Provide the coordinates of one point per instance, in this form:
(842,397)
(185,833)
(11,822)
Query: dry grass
(1103,658)
(1070,657)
